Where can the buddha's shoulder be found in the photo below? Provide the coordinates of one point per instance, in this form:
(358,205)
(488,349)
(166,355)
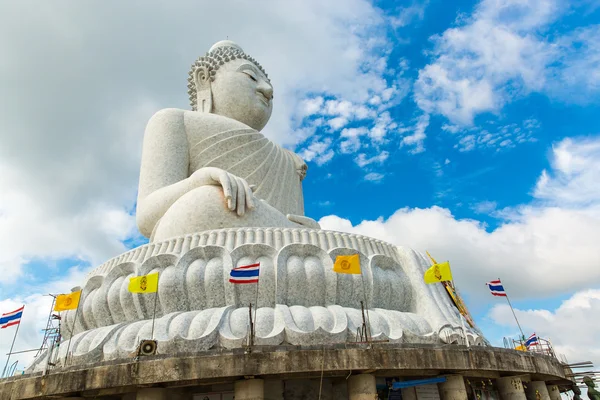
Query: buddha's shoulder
(170,115)
(208,122)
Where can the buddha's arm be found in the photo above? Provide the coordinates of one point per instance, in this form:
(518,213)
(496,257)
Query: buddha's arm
(164,172)
(164,168)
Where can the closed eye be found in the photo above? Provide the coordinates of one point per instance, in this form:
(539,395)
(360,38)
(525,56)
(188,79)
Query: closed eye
(251,76)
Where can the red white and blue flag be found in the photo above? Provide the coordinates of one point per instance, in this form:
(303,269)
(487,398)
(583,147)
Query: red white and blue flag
(11,318)
(245,274)
(532,341)
(496,288)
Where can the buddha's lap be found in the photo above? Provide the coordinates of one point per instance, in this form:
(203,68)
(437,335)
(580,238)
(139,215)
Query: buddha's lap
(205,208)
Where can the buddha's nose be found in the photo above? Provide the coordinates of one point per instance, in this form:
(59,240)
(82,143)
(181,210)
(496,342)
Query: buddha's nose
(265,89)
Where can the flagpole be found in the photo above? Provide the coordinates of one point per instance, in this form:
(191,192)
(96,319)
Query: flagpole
(253,325)
(72,330)
(154,314)
(13,343)
(462,323)
(366,306)
(515,315)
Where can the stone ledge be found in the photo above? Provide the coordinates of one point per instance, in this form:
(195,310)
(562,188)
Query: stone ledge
(280,362)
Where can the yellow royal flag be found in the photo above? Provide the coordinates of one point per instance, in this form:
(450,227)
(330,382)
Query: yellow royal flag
(521,348)
(144,284)
(438,273)
(347,264)
(66,302)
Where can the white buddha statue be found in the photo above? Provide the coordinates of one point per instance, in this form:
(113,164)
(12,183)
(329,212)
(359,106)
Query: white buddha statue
(215,194)
(211,168)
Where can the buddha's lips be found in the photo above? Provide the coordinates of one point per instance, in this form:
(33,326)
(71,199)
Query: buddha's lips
(263,98)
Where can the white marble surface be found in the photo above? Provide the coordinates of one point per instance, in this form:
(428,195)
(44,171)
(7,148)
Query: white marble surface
(215,194)
(301,300)
(211,168)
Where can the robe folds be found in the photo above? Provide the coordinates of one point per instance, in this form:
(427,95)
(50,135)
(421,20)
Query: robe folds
(277,173)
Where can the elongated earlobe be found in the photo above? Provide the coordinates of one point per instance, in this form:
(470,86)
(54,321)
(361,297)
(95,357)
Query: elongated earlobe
(203,90)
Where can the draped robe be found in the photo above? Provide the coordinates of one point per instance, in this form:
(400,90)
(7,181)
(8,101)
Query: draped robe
(246,153)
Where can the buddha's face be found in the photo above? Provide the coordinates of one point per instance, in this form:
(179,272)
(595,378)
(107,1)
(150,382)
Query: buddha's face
(241,91)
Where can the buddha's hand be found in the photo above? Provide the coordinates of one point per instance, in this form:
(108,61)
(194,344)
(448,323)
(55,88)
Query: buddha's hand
(238,194)
(304,221)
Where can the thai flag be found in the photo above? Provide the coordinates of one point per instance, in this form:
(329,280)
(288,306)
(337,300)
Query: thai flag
(245,274)
(532,341)
(11,318)
(496,288)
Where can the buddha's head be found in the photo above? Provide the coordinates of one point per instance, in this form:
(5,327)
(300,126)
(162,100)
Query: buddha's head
(228,82)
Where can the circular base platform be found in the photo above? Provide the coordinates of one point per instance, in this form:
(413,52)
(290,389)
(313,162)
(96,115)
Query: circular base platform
(281,362)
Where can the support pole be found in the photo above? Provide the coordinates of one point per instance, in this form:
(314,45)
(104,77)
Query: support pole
(515,315)
(249,342)
(13,344)
(462,322)
(253,325)
(368,330)
(154,315)
(73,329)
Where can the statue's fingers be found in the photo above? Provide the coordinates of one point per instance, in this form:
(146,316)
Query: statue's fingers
(232,202)
(226,185)
(253,188)
(249,195)
(241,197)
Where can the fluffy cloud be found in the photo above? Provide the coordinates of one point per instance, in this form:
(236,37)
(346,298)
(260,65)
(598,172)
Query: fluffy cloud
(548,246)
(493,137)
(76,97)
(573,180)
(37,307)
(572,328)
(502,52)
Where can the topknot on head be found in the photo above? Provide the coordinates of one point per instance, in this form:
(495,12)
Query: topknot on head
(225,43)
(220,53)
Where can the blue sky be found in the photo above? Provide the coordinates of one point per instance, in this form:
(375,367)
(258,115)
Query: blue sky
(469,129)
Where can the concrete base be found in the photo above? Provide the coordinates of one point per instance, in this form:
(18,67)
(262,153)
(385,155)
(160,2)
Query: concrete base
(537,390)
(273,389)
(340,390)
(554,392)
(215,372)
(152,394)
(250,389)
(409,393)
(453,389)
(299,389)
(511,388)
(362,387)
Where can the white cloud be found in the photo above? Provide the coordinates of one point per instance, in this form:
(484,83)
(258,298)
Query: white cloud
(37,307)
(70,137)
(490,136)
(372,177)
(405,15)
(337,123)
(573,327)
(575,174)
(502,52)
(485,207)
(362,160)
(538,249)
(417,137)
(311,106)
(319,151)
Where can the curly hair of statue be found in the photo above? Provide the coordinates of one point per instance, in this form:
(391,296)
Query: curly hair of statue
(207,66)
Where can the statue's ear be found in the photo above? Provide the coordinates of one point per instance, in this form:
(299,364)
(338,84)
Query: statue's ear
(203,90)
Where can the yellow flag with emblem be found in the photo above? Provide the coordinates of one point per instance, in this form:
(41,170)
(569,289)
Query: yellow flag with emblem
(144,284)
(347,264)
(438,272)
(66,302)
